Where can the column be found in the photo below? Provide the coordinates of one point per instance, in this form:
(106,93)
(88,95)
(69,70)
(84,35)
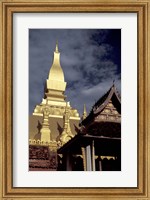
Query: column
(93,156)
(84,157)
(100,164)
(88,158)
(68,162)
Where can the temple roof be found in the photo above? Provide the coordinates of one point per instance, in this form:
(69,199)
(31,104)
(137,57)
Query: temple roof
(112,96)
(102,102)
(109,146)
(103,128)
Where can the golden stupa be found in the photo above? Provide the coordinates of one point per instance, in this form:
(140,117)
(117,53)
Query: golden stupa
(53,121)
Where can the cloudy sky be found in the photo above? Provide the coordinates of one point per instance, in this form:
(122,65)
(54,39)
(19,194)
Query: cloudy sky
(90,58)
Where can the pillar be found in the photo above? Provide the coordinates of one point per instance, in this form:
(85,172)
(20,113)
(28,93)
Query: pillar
(100,165)
(68,162)
(88,158)
(84,157)
(93,155)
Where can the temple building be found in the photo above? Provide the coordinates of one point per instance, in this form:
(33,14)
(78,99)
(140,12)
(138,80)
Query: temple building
(98,143)
(60,140)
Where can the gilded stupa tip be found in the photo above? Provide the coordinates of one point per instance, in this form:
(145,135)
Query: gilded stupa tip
(56,72)
(84,110)
(56,49)
(56,79)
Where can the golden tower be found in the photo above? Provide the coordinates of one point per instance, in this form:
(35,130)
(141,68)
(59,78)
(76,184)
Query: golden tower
(56,84)
(48,121)
(54,93)
(53,122)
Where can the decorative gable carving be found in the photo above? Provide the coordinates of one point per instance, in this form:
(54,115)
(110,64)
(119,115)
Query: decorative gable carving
(109,113)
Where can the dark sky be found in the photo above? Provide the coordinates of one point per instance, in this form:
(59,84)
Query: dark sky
(90,58)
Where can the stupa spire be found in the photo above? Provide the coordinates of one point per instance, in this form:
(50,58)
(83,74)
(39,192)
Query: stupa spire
(56,49)
(56,72)
(56,82)
(54,96)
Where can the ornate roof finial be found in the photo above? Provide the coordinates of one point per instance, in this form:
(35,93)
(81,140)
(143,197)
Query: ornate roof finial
(113,82)
(84,112)
(56,50)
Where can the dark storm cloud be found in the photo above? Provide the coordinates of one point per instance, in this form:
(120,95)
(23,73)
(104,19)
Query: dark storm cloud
(91,60)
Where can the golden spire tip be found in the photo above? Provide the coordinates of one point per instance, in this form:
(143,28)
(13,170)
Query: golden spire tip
(84,108)
(84,112)
(56,50)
